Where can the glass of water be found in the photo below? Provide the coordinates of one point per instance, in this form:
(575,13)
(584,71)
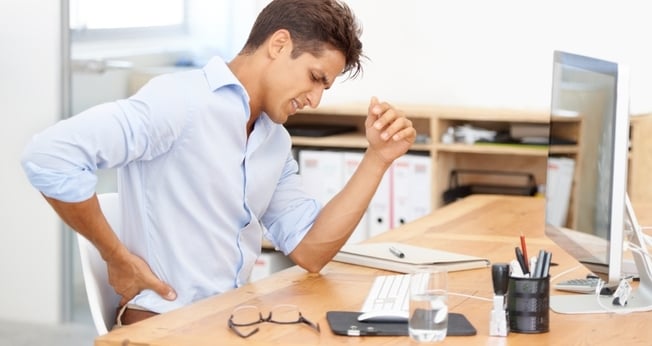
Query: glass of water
(428,320)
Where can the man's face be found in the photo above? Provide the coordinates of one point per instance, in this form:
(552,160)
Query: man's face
(293,84)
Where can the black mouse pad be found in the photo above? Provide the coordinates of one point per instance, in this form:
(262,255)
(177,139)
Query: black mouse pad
(346,323)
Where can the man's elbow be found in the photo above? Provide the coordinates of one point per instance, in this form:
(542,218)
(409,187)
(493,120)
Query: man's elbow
(313,269)
(309,263)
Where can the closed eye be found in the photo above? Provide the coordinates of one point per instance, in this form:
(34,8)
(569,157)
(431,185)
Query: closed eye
(320,79)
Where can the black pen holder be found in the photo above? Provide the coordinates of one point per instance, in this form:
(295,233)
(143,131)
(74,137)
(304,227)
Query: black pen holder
(528,301)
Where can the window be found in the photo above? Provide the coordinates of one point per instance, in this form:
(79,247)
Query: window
(111,19)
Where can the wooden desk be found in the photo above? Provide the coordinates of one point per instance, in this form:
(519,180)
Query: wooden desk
(486,226)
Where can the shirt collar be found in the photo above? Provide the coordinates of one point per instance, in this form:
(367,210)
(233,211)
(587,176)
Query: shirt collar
(218,75)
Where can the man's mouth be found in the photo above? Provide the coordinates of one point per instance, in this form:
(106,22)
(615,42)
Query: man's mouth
(296,105)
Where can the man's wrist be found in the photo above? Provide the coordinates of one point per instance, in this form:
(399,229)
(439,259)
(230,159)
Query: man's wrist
(375,159)
(113,252)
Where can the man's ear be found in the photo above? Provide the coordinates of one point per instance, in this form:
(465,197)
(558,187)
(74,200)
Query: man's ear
(279,42)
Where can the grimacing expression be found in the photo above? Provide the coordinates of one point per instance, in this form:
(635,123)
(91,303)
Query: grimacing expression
(300,82)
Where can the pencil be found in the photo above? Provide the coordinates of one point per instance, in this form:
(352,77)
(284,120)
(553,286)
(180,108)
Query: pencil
(524,250)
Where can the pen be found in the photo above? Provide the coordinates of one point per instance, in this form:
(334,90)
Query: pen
(546,265)
(524,249)
(396,252)
(521,260)
(538,271)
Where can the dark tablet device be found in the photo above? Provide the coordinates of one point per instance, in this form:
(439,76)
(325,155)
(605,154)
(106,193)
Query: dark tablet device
(346,323)
(319,130)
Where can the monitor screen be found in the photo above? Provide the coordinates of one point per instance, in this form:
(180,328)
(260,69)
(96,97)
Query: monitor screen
(600,225)
(597,91)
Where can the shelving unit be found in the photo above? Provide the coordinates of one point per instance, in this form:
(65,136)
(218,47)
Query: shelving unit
(431,122)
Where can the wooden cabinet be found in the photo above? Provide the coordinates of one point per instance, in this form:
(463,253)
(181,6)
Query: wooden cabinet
(432,122)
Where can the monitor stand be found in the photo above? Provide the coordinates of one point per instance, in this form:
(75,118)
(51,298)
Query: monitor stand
(639,300)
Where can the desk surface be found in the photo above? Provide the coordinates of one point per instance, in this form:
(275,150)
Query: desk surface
(487,226)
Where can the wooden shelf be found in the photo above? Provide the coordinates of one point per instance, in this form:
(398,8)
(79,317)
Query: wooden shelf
(563,149)
(494,149)
(345,141)
(433,121)
(354,140)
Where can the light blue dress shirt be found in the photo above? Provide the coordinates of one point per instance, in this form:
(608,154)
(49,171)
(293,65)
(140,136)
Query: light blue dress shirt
(196,194)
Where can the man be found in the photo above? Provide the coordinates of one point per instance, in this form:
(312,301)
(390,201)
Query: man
(205,166)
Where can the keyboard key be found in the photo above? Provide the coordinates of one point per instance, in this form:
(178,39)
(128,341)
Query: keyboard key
(388,293)
(578,285)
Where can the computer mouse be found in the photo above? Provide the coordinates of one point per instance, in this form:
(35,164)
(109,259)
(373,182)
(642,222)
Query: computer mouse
(384,316)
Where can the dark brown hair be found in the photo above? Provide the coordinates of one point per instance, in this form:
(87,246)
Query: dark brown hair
(312,24)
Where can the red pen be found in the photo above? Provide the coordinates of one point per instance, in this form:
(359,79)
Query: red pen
(524,249)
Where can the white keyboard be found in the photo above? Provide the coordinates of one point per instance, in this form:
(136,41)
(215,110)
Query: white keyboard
(578,285)
(388,293)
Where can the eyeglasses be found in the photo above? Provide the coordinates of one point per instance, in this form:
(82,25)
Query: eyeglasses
(250,315)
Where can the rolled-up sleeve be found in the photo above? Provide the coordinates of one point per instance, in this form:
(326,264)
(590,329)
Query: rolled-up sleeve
(61,161)
(291,212)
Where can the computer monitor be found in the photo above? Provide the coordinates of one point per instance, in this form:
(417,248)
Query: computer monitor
(598,91)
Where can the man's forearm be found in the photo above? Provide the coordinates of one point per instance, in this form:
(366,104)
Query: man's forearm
(87,219)
(339,217)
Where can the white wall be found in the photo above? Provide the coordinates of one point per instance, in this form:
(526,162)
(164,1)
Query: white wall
(461,52)
(473,52)
(492,53)
(30,97)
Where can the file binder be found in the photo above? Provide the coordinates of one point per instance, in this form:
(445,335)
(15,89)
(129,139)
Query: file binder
(558,189)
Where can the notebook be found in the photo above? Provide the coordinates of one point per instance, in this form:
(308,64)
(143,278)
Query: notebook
(379,255)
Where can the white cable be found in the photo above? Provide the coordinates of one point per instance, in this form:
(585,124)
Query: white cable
(617,311)
(564,273)
(647,238)
(470,296)
(641,251)
(598,289)
(491,300)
